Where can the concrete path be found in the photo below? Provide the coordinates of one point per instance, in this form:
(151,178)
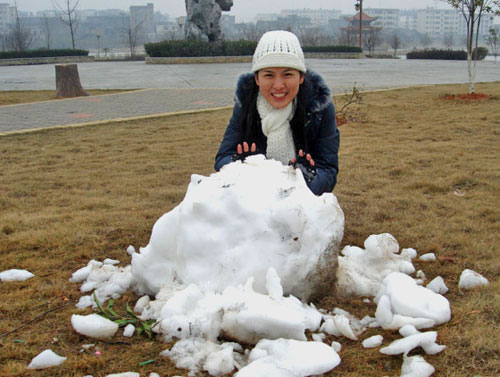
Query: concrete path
(192,87)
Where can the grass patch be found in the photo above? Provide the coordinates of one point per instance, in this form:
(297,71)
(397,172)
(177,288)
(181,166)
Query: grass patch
(69,195)
(16,97)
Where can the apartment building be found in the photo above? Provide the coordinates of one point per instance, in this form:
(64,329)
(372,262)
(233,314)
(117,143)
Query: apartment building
(387,18)
(437,23)
(144,16)
(7,16)
(318,17)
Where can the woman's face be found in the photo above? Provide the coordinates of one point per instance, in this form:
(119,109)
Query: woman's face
(279,86)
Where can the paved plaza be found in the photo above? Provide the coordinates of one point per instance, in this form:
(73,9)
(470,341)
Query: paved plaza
(190,87)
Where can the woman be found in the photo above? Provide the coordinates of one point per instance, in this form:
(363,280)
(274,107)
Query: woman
(284,111)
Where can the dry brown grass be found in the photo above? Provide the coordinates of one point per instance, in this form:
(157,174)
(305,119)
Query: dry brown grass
(27,96)
(69,195)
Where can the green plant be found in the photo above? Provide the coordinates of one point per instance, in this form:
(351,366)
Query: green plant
(437,54)
(142,327)
(41,53)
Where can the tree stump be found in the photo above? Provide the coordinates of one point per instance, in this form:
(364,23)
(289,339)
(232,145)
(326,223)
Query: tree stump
(68,81)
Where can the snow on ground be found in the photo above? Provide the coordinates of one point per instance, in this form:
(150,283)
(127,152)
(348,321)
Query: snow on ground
(231,262)
(15,275)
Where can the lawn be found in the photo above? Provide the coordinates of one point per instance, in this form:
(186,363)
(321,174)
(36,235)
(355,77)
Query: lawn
(417,163)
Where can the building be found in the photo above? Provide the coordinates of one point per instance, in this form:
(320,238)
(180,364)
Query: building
(437,23)
(408,22)
(388,19)
(7,16)
(143,16)
(318,17)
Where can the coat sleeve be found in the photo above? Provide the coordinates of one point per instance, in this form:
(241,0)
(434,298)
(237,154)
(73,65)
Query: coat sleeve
(324,151)
(232,137)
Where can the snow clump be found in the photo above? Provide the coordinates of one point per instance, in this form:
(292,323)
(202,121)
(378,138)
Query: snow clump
(361,271)
(46,359)
(401,301)
(471,279)
(15,275)
(437,285)
(94,326)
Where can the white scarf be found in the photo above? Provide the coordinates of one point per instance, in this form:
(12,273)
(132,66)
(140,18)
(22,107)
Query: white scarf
(276,127)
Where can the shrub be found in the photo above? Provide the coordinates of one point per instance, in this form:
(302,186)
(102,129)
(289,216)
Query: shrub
(481,53)
(194,48)
(438,54)
(42,53)
(331,49)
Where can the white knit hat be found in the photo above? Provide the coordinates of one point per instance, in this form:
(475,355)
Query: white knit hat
(278,48)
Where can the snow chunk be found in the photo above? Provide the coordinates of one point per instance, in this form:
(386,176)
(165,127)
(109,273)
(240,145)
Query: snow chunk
(410,252)
(197,354)
(15,275)
(289,358)
(416,366)
(129,330)
(227,223)
(130,250)
(336,346)
(339,326)
(46,359)
(428,257)
(426,340)
(471,279)
(94,326)
(373,341)
(401,301)
(126,374)
(111,261)
(437,285)
(361,271)
(318,337)
(141,304)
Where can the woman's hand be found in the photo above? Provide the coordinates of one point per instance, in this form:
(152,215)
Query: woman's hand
(305,164)
(243,151)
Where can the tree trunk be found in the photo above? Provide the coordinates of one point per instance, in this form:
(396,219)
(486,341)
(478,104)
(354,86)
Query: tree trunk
(68,81)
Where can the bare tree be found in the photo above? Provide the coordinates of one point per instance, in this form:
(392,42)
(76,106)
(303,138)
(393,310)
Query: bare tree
(131,33)
(492,40)
(425,40)
(20,36)
(68,15)
(348,38)
(252,32)
(395,43)
(372,38)
(448,40)
(473,11)
(47,29)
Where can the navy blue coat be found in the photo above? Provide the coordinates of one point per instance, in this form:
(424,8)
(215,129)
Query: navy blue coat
(321,133)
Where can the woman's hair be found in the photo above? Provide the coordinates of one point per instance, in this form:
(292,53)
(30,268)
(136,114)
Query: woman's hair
(251,124)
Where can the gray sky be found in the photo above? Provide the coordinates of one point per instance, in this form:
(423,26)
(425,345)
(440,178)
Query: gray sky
(244,10)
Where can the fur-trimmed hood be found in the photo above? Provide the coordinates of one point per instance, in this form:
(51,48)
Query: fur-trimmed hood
(317,93)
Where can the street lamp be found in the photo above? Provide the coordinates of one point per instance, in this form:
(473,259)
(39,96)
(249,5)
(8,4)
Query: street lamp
(359,7)
(180,22)
(98,35)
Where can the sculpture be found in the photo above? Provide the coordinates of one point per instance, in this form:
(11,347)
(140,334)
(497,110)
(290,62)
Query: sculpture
(203,19)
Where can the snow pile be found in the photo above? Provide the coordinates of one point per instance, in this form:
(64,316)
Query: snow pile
(413,339)
(471,279)
(401,301)
(46,359)
(15,275)
(361,271)
(244,219)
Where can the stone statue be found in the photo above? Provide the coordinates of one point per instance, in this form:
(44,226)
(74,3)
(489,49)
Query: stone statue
(203,19)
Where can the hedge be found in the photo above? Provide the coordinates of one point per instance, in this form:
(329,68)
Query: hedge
(331,49)
(446,54)
(195,48)
(41,53)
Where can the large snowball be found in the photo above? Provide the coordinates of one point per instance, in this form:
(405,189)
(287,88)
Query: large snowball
(94,326)
(237,223)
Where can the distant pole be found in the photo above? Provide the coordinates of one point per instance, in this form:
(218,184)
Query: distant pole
(361,24)
(98,35)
